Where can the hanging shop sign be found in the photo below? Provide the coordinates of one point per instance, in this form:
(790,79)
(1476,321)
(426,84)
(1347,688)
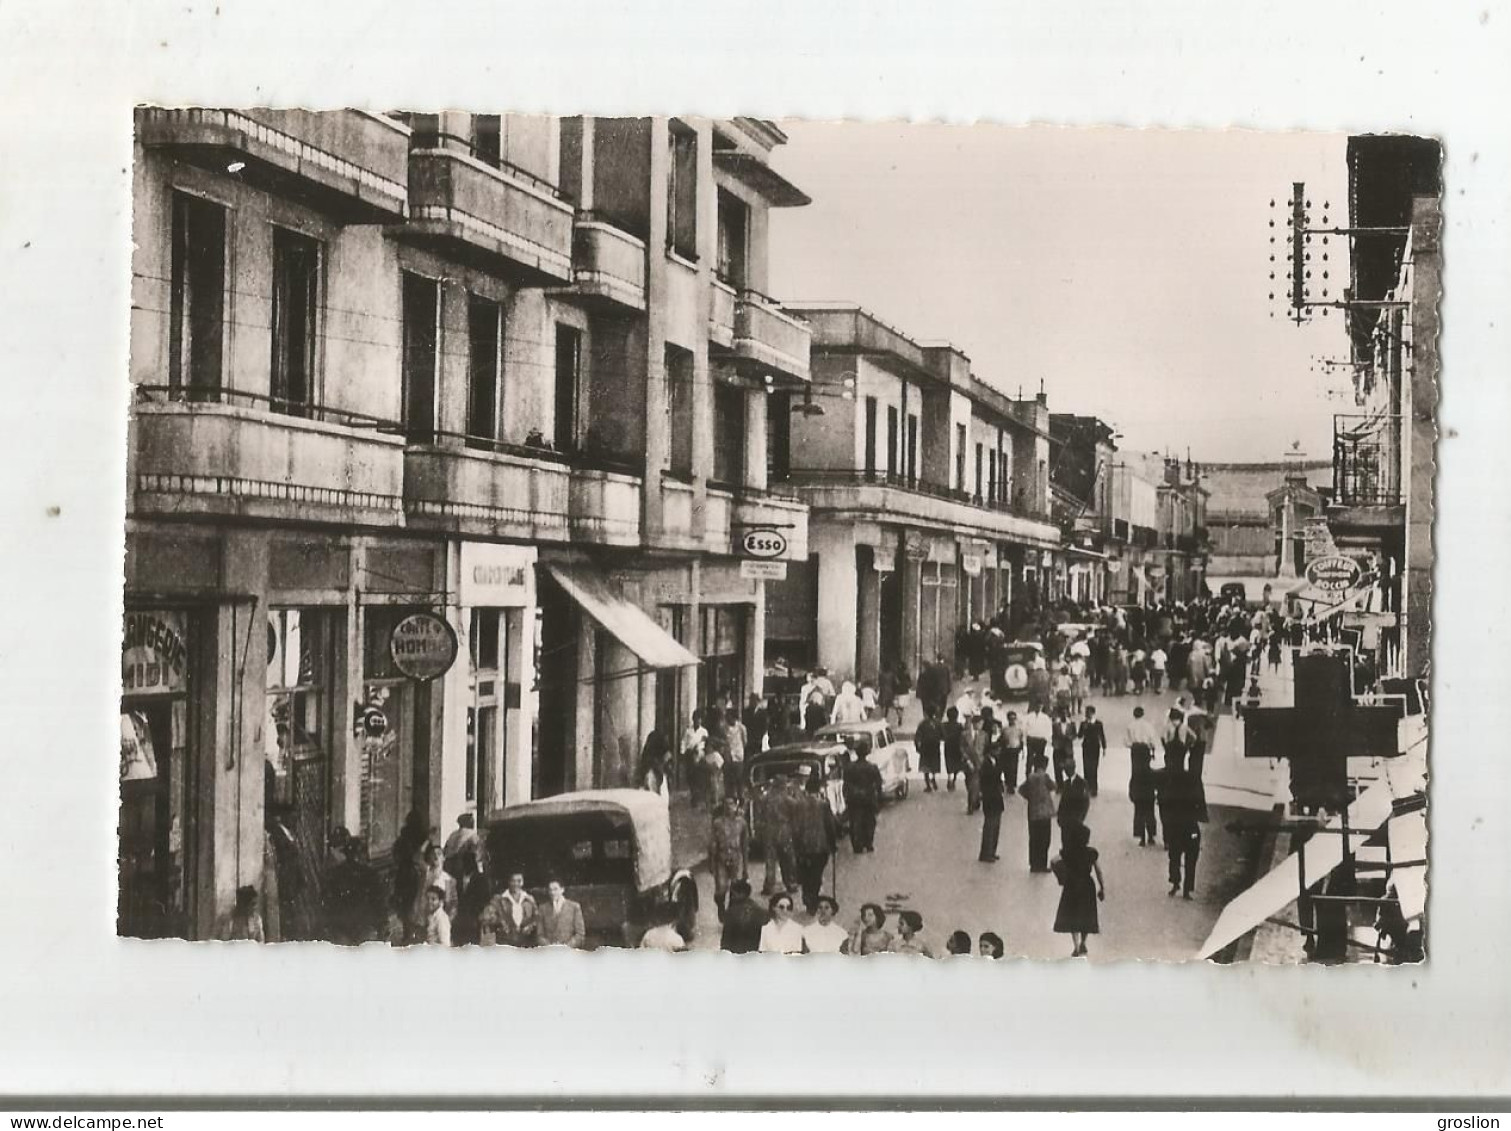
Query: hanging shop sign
(495,575)
(1334,574)
(763,542)
(763,571)
(154,657)
(423,646)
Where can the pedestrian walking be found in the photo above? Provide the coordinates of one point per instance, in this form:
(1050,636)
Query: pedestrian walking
(1082,888)
(1012,752)
(728,851)
(1141,779)
(1075,802)
(663,934)
(954,747)
(694,739)
(743,920)
(474,890)
(1137,670)
(1273,651)
(1078,679)
(815,833)
(902,690)
(868,700)
(928,740)
(1038,687)
(1182,832)
(1093,738)
(1039,791)
(560,919)
(757,720)
(970,752)
(934,686)
(1176,740)
(824,935)
(992,802)
(909,937)
(862,785)
(713,777)
(464,834)
(848,707)
(655,764)
(870,935)
(1063,744)
(511,918)
(1157,661)
(966,706)
(790,806)
(782,934)
(736,739)
(770,831)
(1038,730)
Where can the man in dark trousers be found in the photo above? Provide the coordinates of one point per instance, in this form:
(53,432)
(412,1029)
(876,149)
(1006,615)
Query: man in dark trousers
(1093,741)
(814,835)
(1075,802)
(1179,809)
(862,786)
(934,686)
(928,740)
(993,800)
(1039,791)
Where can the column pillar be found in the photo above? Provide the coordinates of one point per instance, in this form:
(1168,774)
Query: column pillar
(912,588)
(756,406)
(868,624)
(587,702)
(657,403)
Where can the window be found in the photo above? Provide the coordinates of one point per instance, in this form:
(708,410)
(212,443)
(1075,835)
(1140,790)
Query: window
(568,373)
(778,435)
(198,296)
(487,135)
(960,457)
(296,286)
(682,191)
(893,435)
(424,129)
(912,447)
(870,439)
(991,479)
(483,323)
(679,398)
(421,338)
(733,228)
(980,451)
(483,776)
(729,433)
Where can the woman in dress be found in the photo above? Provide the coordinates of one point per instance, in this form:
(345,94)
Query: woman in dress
(1083,887)
(870,935)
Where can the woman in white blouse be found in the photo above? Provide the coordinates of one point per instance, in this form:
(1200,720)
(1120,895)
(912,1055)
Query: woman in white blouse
(782,934)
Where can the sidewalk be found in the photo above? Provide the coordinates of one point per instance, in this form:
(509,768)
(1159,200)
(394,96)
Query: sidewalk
(690,832)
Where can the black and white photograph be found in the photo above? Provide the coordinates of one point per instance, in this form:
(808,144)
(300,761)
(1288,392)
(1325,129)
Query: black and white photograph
(693,533)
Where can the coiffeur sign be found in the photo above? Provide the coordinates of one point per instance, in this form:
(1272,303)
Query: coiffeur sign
(423,646)
(1334,574)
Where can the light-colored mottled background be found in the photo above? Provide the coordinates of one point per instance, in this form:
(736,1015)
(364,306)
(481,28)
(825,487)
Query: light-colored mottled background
(84,1011)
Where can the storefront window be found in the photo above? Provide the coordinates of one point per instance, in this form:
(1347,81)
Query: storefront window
(485,753)
(723,652)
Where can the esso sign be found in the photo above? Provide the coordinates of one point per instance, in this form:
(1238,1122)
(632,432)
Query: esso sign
(763,542)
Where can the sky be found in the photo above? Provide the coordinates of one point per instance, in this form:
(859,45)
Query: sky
(1126,269)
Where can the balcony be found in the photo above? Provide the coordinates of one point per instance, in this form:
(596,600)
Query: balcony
(768,338)
(1366,500)
(677,508)
(721,315)
(879,497)
(608,264)
(348,164)
(473,487)
(499,219)
(244,455)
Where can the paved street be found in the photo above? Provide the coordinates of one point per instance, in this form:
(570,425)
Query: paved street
(925,859)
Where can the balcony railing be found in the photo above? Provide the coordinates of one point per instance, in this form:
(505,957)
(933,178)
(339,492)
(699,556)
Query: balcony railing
(766,335)
(1366,460)
(829,476)
(192,394)
(348,163)
(608,263)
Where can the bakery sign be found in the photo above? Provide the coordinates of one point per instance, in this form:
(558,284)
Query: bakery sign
(154,657)
(423,646)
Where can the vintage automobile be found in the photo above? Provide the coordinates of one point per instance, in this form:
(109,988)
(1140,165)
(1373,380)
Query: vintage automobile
(610,848)
(1021,656)
(803,760)
(874,741)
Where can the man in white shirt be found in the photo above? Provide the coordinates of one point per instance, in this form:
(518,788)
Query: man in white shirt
(1037,730)
(824,935)
(1157,660)
(966,707)
(847,705)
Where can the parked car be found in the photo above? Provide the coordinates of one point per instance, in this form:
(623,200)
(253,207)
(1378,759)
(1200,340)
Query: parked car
(610,848)
(1021,657)
(874,740)
(804,760)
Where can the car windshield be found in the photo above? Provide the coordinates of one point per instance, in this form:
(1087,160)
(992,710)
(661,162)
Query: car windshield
(762,772)
(858,741)
(575,848)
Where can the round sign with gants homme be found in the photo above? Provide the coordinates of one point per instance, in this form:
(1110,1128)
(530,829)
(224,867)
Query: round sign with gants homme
(1334,573)
(764,542)
(423,646)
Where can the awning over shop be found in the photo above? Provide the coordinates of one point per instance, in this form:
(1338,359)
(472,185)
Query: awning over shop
(626,622)
(1279,889)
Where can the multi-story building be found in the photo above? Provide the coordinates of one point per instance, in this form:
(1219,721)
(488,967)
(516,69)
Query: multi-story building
(1252,509)
(1183,530)
(1083,453)
(1381,508)
(1134,536)
(928,492)
(1159,511)
(413,381)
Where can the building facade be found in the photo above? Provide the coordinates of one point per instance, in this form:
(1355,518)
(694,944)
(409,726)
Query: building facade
(408,385)
(928,496)
(1082,457)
